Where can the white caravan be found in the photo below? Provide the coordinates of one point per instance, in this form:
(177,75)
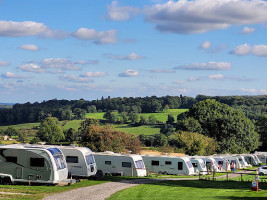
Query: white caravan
(235,160)
(243,161)
(111,163)
(168,164)
(32,164)
(250,159)
(199,166)
(222,163)
(262,156)
(80,161)
(210,163)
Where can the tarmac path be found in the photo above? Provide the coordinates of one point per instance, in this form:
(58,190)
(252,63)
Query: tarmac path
(100,191)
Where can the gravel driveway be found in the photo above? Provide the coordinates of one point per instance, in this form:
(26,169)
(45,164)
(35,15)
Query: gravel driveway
(98,192)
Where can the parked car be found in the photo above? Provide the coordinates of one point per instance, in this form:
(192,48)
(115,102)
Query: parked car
(262,170)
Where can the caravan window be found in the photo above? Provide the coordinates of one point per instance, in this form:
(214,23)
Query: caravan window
(11,159)
(194,164)
(155,162)
(180,165)
(139,164)
(220,162)
(90,159)
(108,162)
(37,162)
(203,165)
(58,157)
(126,164)
(168,162)
(189,164)
(72,159)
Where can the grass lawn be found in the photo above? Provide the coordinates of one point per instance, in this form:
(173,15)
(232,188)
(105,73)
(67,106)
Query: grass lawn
(38,192)
(192,190)
(22,126)
(146,130)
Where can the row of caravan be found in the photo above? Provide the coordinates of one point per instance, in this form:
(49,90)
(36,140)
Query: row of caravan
(54,164)
(44,164)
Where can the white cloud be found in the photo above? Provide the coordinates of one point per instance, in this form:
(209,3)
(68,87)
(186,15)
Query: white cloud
(241,50)
(31,68)
(132,56)
(67,88)
(28,28)
(129,73)
(29,47)
(13,75)
(59,63)
(245,49)
(206,66)
(250,90)
(199,16)
(87,62)
(205,45)
(73,78)
(259,50)
(94,74)
(247,30)
(120,13)
(216,76)
(4,63)
(102,37)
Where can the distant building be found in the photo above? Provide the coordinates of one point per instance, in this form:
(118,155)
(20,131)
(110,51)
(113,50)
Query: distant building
(6,138)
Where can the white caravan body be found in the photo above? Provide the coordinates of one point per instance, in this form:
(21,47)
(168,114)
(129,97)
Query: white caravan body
(168,164)
(29,163)
(262,156)
(257,159)
(120,164)
(223,163)
(210,163)
(80,161)
(250,159)
(234,159)
(243,161)
(199,165)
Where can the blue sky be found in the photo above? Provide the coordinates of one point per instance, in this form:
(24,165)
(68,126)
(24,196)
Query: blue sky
(89,49)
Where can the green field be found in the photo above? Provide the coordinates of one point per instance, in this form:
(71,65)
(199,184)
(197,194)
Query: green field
(31,128)
(192,190)
(146,130)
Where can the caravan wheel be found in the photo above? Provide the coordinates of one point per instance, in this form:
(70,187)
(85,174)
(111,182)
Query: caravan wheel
(6,181)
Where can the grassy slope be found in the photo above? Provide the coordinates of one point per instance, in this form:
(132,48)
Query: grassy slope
(192,190)
(147,130)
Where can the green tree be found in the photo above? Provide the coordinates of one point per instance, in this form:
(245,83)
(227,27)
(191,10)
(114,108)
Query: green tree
(50,131)
(170,119)
(22,137)
(233,131)
(71,135)
(193,143)
(10,131)
(79,113)
(262,130)
(143,120)
(152,119)
(166,129)
(133,117)
(160,140)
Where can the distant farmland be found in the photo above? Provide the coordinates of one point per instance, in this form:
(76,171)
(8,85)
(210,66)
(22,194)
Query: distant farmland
(145,129)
